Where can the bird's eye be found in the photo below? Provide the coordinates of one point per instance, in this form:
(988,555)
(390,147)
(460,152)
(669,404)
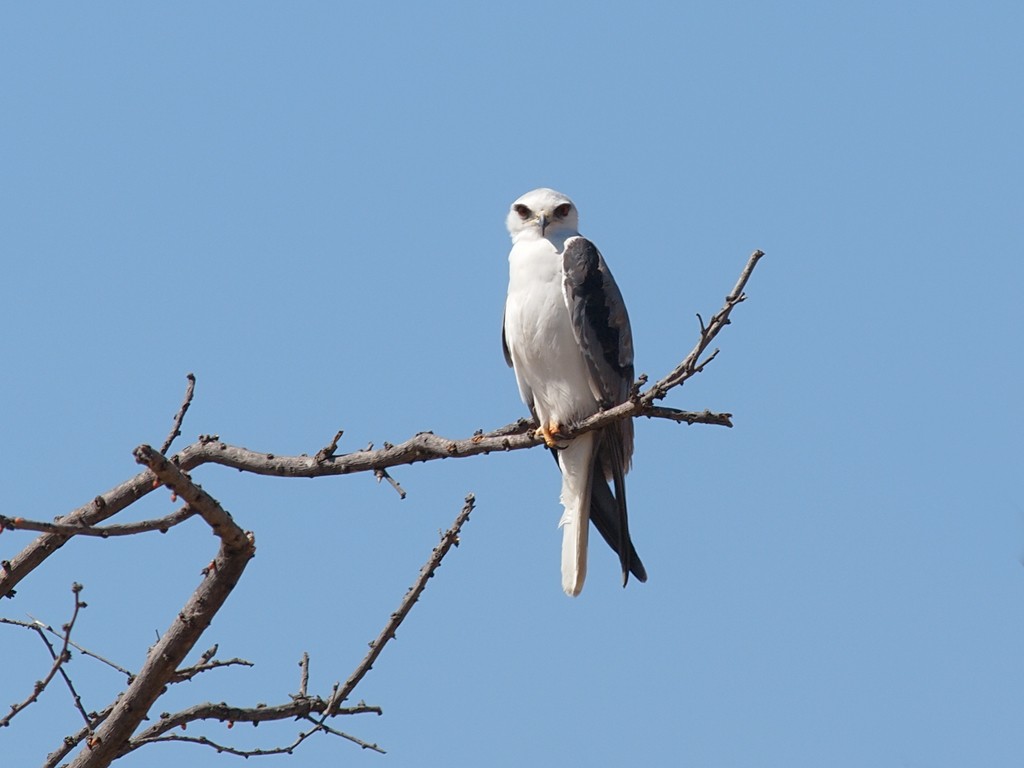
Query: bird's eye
(563,210)
(522,211)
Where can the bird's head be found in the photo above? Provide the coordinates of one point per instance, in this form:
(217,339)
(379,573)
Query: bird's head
(542,213)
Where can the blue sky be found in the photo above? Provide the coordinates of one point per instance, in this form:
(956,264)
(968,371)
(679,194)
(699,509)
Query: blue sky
(304,205)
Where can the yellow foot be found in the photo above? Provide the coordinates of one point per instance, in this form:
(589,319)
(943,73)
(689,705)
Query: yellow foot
(551,434)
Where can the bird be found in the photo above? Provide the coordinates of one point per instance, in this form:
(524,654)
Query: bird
(567,338)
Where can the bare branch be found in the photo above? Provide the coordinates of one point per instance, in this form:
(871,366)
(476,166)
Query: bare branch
(425,446)
(236,549)
(180,416)
(113,665)
(719,320)
(450,537)
(188,673)
(162,524)
(261,752)
(58,661)
(39,625)
(234,538)
(689,417)
(349,736)
(99,509)
(300,707)
(68,743)
(66,636)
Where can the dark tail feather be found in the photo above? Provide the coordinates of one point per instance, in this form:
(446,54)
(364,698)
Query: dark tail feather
(609,517)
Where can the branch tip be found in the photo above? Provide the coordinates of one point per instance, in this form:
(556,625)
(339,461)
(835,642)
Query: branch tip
(179,417)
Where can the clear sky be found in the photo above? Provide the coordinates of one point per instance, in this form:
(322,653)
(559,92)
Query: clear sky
(304,204)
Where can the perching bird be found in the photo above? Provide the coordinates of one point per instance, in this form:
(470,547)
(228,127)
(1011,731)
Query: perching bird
(566,334)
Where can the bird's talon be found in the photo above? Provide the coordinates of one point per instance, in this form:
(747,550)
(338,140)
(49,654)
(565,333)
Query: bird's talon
(553,437)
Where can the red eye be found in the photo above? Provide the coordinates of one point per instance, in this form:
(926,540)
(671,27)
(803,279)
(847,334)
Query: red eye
(522,211)
(563,210)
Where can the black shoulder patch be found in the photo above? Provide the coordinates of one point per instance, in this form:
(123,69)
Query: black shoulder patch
(592,286)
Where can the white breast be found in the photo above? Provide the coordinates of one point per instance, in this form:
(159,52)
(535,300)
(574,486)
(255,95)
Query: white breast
(546,357)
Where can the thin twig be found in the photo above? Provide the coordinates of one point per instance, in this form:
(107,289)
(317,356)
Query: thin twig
(41,628)
(36,624)
(304,677)
(58,661)
(298,708)
(450,537)
(689,417)
(382,474)
(328,450)
(113,665)
(180,416)
(349,736)
(188,673)
(225,748)
(718,321)
(161,524)
(260,752)
(75,696)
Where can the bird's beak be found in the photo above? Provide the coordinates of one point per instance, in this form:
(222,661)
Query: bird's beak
(543,219)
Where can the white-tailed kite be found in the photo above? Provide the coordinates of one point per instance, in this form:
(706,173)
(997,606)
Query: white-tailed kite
(566,334)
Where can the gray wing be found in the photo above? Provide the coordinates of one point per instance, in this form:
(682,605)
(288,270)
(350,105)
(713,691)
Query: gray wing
(601,327)
(599,320)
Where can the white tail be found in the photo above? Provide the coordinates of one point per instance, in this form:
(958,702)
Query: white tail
(576,461)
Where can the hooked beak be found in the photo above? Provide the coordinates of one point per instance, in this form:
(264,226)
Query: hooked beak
(543,219)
